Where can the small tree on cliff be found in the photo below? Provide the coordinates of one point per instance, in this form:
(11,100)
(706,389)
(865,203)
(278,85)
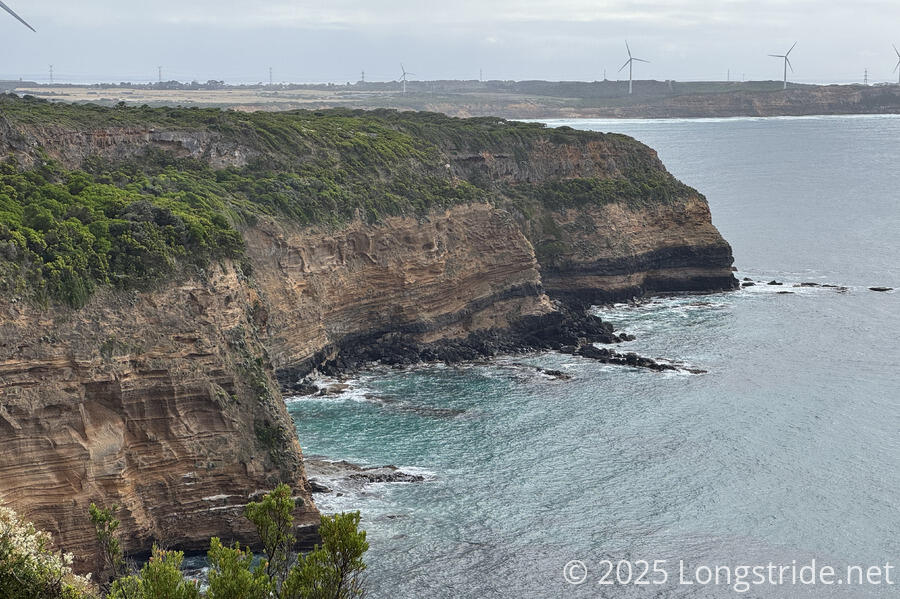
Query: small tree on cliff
(334,570)
(331,571)
(274,521)
(231,575)
(160,578)
(106,526)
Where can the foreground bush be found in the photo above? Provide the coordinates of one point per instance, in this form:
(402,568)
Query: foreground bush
(31,569)
(331,571)
(160,578)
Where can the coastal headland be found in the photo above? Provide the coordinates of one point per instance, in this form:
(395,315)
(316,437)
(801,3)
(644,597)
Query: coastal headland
(167,272)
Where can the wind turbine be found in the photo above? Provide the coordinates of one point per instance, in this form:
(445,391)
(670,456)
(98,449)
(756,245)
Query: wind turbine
(897,66)
(787,62)
(629,63)
(403,77)
(18,18)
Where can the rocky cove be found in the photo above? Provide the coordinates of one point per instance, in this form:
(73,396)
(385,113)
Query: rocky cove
(384,237)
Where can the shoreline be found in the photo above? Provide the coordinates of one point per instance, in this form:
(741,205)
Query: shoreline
(569,330)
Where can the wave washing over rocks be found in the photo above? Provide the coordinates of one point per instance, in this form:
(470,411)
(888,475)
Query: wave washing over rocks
(570,331)
(338,484)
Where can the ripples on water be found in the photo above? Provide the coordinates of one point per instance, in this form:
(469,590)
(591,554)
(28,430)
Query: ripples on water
(787,449)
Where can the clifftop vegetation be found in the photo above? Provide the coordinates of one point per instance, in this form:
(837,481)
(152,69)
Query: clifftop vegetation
(131,222)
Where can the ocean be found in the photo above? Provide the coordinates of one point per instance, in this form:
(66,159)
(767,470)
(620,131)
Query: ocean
(786,452)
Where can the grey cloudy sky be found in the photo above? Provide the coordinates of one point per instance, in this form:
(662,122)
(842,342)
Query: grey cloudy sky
(306,41)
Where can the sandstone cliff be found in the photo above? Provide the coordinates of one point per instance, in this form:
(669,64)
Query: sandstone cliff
(162,403)
(163,399)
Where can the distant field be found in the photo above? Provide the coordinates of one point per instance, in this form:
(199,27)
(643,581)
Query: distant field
(511,99)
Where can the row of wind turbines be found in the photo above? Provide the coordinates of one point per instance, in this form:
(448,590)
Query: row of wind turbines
(628,63)
(785,57)
(633,59)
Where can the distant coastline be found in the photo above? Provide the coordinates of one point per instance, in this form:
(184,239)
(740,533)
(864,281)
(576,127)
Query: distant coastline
(508,99)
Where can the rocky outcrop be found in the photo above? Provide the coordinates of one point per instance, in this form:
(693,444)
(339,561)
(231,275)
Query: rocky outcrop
(600,253)
(165,401)
(72,146)
(613,253)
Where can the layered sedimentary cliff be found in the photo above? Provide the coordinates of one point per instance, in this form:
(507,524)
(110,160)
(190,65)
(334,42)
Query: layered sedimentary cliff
(163,400)
(162,403)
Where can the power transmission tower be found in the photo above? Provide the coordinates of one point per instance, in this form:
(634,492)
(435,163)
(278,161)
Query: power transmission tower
(363,77)
(866,77)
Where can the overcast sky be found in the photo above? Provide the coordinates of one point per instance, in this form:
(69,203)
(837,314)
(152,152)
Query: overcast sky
(306,41)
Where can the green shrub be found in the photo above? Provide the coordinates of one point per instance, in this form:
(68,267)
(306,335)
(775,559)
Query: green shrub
(335,569)
(233,576)
(31,569)
(160,578)
(274,521)
(67,234)
(106,526)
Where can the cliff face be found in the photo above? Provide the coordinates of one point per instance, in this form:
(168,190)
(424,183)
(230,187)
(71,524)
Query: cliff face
(159,402)
(613,251)
(164,401)
(466,269)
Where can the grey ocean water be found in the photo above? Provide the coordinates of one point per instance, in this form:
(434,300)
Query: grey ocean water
(787,449)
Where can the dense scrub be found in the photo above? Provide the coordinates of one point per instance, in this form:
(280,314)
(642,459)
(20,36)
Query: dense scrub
(132,223)
(64,233)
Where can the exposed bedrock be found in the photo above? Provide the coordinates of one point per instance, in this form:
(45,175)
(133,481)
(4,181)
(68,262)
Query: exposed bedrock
(614,253)
(162,403)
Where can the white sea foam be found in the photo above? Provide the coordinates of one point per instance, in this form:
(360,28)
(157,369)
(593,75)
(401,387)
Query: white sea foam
(357,390)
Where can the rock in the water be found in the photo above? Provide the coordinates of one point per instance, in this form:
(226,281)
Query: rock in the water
(606,356)
(304,387)
(342,472)
(336,388)
(748,284)
(557,374)
(318,487)
(774,283)
(386,474)
(881,288)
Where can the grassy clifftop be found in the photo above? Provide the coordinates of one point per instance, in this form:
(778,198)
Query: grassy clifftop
(129,221)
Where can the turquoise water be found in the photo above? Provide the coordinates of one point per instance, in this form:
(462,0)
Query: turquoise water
(787,449)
